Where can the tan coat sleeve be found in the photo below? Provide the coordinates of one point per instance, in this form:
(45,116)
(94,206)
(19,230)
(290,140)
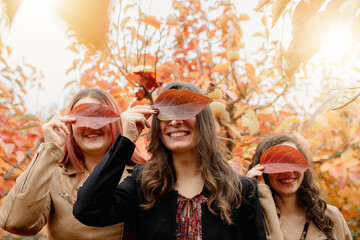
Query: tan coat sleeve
(341,229)
(27,206)
(268,208)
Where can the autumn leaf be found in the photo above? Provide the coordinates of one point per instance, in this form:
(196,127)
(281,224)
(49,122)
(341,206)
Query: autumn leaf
(30,124)
(180,104)
(123,22)
(11,7)
(145,78)
(88,18)
(222,67)
(285,124)
(150,20)
(261,3)
(304,11)
(277,9)
(249,119)
(244,17)
(283,158)
(326,104)
(309,41)
(93,115)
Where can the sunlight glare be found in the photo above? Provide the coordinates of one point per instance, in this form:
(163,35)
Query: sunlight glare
(337,44)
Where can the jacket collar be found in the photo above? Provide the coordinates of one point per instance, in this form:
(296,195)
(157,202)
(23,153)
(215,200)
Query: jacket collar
(68,170)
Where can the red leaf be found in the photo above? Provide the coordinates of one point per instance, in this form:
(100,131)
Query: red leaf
(180,104)
(283,158)
(93,115)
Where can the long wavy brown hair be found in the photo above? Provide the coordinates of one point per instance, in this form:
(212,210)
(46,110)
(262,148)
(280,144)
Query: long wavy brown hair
(308,193)
(222,184)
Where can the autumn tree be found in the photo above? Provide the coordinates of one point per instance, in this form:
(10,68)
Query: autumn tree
(124,50)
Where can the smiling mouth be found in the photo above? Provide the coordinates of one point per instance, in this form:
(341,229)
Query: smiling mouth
(288,180)
(92,135)
(178,134)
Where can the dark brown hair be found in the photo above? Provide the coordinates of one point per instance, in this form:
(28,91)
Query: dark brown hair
(221,183)
(308,193)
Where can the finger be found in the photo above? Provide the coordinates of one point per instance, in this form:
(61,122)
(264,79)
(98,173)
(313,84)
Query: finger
(65,128)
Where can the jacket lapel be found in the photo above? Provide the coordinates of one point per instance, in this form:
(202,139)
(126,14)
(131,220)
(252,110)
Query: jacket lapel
(315,233)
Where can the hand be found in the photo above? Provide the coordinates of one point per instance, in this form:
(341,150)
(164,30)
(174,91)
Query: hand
(135,120)
(57,129)
(257,172)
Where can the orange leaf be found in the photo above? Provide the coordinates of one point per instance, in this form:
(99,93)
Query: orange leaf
(222,67)
(244,17)
(93,115)
(123,22)
(180,104)
(150,20)
(283,158)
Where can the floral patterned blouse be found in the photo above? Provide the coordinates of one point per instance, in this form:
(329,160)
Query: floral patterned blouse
(188,217)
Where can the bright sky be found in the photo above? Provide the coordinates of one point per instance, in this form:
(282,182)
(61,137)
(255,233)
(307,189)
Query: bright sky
(37,35)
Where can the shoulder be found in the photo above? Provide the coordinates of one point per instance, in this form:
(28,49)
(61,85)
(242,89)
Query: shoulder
(248,186)
(136,172)
(333,212)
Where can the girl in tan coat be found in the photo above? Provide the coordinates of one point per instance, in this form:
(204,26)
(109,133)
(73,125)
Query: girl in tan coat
(46,191)
(292,208)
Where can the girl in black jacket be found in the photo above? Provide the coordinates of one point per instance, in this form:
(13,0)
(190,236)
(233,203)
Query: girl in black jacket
(187,190)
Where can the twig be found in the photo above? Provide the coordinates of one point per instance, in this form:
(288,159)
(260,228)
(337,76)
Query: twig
(347,103)
(265,105)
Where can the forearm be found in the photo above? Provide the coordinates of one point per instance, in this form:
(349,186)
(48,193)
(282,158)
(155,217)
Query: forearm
(95,204)
(27,206)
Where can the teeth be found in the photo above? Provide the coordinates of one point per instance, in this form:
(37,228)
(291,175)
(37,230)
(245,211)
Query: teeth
(177,134)
(287,180)
(92,135)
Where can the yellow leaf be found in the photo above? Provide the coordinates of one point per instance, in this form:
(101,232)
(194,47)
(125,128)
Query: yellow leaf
(123,22)
(30,124)
(304,11)
(222,67)
(277,10)
(11,7)
(249,119)
(129,6)
(309,41)
(29,116)
(150,20)
(261,3)
(133,32)
(244,17)
(286,123)
(223,3)
(348,158)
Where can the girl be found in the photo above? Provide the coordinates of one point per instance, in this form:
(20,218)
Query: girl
(186,191)
(290,201)
(46,191)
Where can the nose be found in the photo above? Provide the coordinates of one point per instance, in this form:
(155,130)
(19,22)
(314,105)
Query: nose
(175,123)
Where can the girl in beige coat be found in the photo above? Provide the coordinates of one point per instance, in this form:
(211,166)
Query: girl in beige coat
(46,191)
(292,208)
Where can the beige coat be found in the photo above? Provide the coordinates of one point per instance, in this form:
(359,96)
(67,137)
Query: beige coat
(276,228)
(41,196)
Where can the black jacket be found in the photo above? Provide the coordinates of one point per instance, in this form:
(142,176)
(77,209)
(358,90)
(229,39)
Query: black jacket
(102,202)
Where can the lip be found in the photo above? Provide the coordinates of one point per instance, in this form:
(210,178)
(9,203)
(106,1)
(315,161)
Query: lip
(93,134)
(178,133)
(287,181)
